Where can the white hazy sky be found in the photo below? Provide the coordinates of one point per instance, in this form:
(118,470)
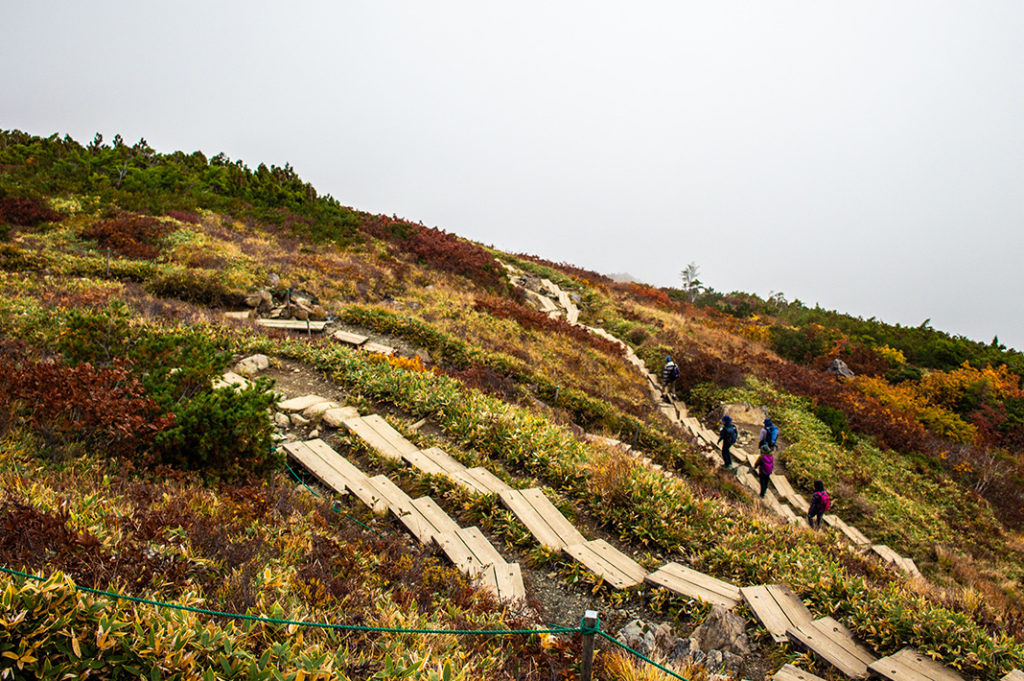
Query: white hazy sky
(867,156)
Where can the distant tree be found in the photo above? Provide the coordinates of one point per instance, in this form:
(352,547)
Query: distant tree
(691,283)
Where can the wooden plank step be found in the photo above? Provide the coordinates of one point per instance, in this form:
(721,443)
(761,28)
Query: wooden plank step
(392,436)
(365,432)
(777,607)
(782,486)
(333,469)
(855,536)
(910,665)
(566,531)
(442,460)
(424,463)
(832,642)
(790,673)
(230,378)
(773,504)
(607,562)
(1014,675)
(909,566)
(507,577)
(378,348)
(292,324)
(403,508)
(886,554)
(349,338)
(488,482)
(744,456)
(440,521)
(684,581)
(543,520)
(748,479)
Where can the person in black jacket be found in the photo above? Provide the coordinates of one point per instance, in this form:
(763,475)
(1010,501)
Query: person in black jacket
(727,436)
(669,374)
(820,503)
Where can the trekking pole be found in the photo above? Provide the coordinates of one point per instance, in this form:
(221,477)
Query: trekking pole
(558,388)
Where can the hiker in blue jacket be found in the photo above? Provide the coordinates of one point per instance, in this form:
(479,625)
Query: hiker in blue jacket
(820,503)
(727,436)
(769,435)
(669,374)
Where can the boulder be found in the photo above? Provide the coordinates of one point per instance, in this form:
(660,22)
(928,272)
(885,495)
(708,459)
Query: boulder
(335,417)
(638,635)
(317,313)
(301,403)
(281,420)
(839,368)
(722,630)
(314,412)
(260,300)
(252,365)
(299,420)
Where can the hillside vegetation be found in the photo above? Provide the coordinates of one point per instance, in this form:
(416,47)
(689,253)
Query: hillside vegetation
(125,470)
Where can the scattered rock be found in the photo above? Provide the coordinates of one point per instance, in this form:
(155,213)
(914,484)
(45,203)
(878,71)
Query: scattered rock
(314,434)
(299,420)
(301,403)
(281,420)
(722,630)
(839,368)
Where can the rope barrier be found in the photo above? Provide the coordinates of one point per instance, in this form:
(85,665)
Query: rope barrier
(334,506)
(643,657)
(300,623)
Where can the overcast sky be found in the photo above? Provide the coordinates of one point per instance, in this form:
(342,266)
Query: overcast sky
(867,156)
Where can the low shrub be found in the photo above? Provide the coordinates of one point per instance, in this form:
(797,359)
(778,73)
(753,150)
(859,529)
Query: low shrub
(26,211)
(531,319)
(129,235)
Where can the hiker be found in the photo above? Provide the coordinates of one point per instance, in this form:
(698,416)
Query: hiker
(820,503)
(669,374)
(764,466)
(769,435)
(727,436)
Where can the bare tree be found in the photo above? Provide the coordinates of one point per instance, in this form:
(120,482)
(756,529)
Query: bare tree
(691,283)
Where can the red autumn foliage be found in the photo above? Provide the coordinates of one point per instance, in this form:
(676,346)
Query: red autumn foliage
(571,270)
(106,408)
(183,216)
(531,319)
(26,211)
(438,249)
(133,236)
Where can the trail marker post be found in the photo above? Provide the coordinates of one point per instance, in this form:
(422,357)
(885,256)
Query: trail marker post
(587,662)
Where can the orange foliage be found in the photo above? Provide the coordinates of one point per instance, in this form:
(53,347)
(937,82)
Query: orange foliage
(904,398)
(948,388)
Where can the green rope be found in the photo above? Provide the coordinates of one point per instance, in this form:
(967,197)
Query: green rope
(641,656)
(302,623)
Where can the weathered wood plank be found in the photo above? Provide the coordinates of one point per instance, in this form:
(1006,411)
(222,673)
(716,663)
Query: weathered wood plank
(487,481)
(322,459)
(292,324)
(566,531)
(528,515)
(435,515)
(777,607)
(378,348)
(855,536)
(910,665)
(832,642)
(349,338)
(790,673)
(469,481)
(1015,675)
(619,559)
(392,436)
(586,555)
(364,431)
(684,581)
(402,507)
(443,460)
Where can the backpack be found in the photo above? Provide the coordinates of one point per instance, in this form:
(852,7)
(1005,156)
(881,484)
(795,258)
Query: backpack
(826,501)
(771,435)
(767,464)
(673,372)
(730,434)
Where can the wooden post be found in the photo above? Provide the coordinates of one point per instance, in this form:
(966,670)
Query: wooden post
(108,261)
(587,666)
(636,435)
(308,331)
(557,389)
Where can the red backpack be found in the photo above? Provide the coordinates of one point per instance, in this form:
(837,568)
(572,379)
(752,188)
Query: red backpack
(826,501)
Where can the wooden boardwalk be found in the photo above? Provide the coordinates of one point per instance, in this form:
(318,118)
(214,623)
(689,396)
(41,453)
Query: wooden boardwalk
(545,522)
(467,548)
(684,581)
(380,436)
(790,673)
(292,324)
(833,643)
(910,665)
(606,561)
(777,608)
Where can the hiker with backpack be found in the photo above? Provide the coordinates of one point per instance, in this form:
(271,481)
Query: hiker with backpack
(764,466)
(669,374)
(820,504)
(769,435)
(727,436)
